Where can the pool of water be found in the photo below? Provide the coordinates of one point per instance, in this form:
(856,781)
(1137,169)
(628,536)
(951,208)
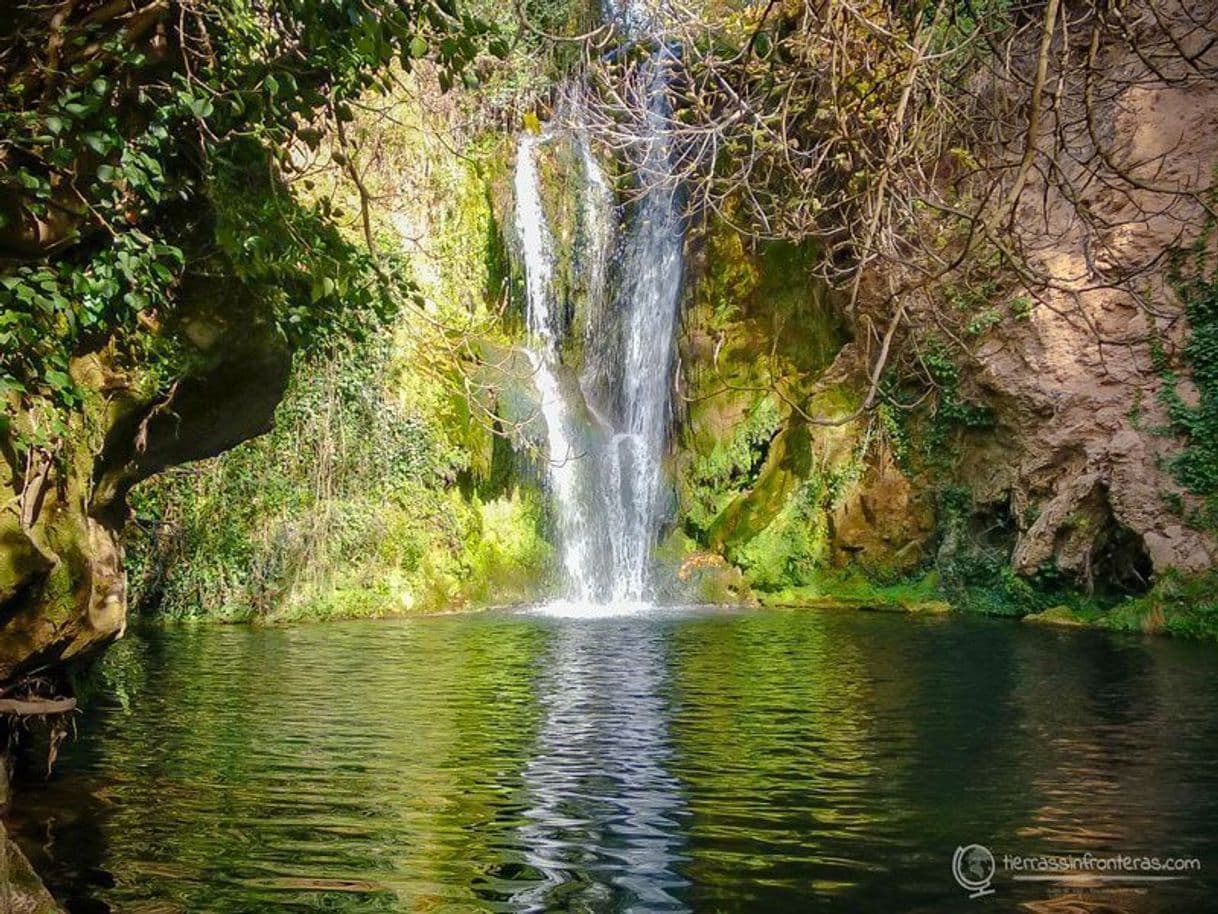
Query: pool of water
(700,760)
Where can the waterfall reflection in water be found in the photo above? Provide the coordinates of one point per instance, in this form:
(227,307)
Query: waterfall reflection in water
(604,819)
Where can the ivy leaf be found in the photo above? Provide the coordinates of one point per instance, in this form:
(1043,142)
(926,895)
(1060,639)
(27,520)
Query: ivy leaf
(98,142)
(58,380)
(418,47)
(200,107)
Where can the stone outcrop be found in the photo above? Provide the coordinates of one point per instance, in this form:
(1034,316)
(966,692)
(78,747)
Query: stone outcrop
(21,891)
(1076,386)
(1071,477)
(63,587)
(885,523)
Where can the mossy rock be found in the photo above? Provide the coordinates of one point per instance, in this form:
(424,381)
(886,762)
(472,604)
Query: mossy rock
(798,599)
(709,578)
(927,607)
(1057,615)
(787,465)
(20,888)
(911,607)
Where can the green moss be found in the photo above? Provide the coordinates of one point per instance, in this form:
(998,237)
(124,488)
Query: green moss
(730,279)
(1195,467)
(506,555)
(746,515)
(20,561)
(732,465)
(760,330)
(806,330)
(774,316)
(787,550)
(1178,604)
(1065,616)
(793,547)
(851,589)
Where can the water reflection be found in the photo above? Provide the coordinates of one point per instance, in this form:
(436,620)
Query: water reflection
(604,821)
(683,761)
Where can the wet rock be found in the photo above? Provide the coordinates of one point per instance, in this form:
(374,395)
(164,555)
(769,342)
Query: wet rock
(21,891)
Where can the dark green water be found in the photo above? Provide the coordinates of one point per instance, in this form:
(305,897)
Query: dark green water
(698,760)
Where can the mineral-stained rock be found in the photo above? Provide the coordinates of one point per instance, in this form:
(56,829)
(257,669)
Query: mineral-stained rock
(1076,386)
(883,523)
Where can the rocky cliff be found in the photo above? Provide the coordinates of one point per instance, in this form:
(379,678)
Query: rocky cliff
(1045,424)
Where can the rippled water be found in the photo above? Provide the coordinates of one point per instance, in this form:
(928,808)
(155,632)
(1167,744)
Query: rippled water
(695,760)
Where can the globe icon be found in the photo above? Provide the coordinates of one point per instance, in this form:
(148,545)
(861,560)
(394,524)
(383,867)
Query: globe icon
(973,866)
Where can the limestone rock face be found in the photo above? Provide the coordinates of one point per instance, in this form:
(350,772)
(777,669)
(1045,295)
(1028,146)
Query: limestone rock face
(1073,476)
(1076,386)
(883,523)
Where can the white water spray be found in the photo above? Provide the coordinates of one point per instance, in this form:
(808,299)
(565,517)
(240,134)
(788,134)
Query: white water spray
(611,497)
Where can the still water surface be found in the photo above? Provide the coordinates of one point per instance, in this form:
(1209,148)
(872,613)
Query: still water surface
(695,760)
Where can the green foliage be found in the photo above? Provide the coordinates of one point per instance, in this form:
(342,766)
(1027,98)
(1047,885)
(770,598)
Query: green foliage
(975,565)
(134,163)
(1178,604)
(731,467)
(787,552)
(951,410)
(774,331)
(522,67)
(959,22)
(1196,466)
(792,549)
(347,508)
(891,431)
(923,430)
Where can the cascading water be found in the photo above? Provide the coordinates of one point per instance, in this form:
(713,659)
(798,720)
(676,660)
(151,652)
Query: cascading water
(537,248)
(609,492)
(651,273)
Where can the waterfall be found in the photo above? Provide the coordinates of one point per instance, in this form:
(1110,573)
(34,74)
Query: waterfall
(650,288)
(543,354)
(609,491)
